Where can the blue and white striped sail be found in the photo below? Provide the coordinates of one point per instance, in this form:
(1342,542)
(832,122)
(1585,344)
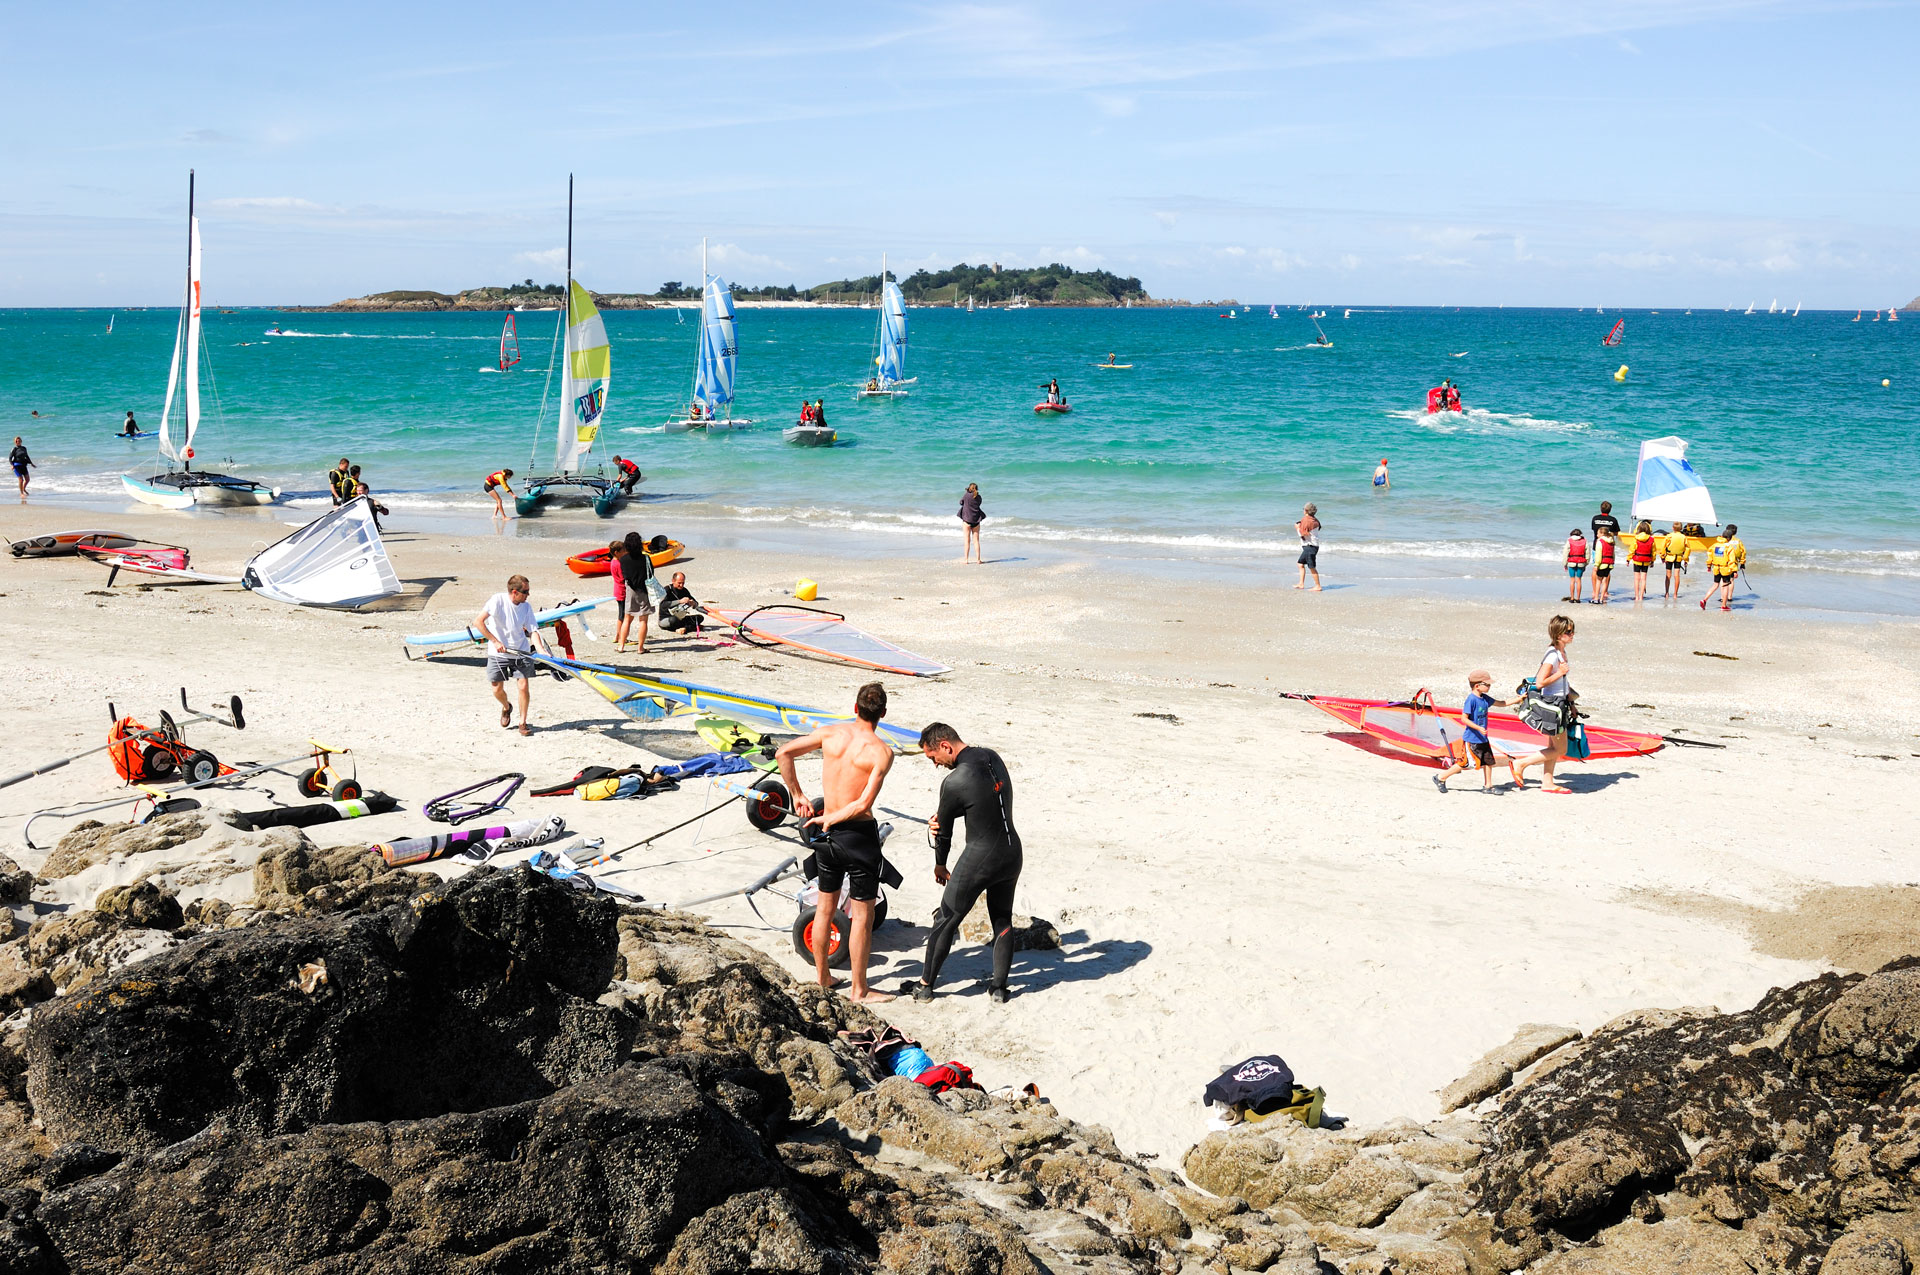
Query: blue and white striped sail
(893,334)
(1666,488)
(719,348)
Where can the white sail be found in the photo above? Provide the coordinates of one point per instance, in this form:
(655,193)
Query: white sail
(585,371)
(336,560)
(893,334)
(713,370)
(186,356)
(1667,488)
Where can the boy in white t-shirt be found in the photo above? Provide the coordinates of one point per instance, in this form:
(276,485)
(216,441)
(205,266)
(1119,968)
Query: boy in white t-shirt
(507,623)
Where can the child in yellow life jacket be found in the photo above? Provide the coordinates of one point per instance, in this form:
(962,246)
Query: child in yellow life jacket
(1725,560)
(1673,552)
(1576,563)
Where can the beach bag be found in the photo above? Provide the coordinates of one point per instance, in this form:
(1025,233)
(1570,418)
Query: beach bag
(1251,1083)
(1577,746)
(1304,1105)
(1539,712)
(656,592)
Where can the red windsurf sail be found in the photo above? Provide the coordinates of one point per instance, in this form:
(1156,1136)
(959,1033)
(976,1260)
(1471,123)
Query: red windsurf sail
(1417,725)
(1613,337)
(509,344)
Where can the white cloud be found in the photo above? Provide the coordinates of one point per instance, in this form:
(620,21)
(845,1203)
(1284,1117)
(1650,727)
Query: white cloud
(1116,105)
(1628,46)
(1165,218)
(1234,250)
(735,258)
(550,258)
(1636,260)
(282,203)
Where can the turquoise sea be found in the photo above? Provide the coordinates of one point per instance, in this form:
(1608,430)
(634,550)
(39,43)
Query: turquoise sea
(1202,452)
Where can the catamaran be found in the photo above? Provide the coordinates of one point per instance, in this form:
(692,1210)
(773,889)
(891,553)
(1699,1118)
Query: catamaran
(711,407)
(889,379)
(585,370)
(1666,489)
(186,487)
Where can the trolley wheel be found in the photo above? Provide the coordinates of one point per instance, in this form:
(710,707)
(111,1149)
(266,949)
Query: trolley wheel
(311,783)
(347,790)
(158,765)
(837,956)
(199,768)
(771,807)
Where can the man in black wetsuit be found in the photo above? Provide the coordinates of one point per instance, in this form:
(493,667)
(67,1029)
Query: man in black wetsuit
(980,792)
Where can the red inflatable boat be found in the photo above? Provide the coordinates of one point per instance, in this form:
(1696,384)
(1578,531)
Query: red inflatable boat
(1053,409)
(1436,401)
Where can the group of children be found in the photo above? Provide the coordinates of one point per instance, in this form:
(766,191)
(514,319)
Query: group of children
(1672,547)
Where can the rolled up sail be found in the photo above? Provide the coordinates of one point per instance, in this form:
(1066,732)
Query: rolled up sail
(186,357)
(893,334)
(587,368)
(336,560)
(719,348)
(1666,488)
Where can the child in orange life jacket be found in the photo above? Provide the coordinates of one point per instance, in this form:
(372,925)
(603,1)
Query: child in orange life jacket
(1576,563)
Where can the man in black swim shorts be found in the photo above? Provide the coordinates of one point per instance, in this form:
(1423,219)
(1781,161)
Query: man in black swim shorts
(979,791)
(855,762)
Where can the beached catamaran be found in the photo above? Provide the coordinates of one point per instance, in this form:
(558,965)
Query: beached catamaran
(889,379)
(711,407)
(185,487)
(585,368)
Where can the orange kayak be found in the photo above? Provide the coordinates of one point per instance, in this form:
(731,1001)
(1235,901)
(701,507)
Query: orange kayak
(594,561)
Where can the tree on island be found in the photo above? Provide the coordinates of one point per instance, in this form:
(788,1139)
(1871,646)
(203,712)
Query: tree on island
(992,284)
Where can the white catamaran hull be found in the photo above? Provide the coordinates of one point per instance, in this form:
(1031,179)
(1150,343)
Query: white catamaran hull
(810,436)
(178,496)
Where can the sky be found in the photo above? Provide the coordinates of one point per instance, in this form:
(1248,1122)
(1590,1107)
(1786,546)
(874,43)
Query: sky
(1452,152)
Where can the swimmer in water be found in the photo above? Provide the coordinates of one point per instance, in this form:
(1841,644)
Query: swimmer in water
(1380,480)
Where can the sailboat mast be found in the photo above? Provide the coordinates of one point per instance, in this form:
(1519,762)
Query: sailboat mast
(700,329)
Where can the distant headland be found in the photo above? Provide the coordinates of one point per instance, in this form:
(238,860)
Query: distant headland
(990,285)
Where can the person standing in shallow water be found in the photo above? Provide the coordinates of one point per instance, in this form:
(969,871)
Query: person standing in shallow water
(972,515)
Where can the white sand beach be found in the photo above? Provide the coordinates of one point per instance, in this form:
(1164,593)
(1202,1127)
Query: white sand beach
(1229,873)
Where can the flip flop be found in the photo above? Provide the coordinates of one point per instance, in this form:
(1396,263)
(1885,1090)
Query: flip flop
(1559,792)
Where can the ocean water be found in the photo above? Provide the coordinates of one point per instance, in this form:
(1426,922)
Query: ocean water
(1203,451)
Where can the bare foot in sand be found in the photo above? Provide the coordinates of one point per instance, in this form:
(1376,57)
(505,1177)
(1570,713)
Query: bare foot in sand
(832,984)
(872,998)
(1299,586)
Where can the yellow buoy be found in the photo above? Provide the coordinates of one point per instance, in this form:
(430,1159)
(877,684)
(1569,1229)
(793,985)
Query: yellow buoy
(806,590)
(1884,383)
(1621,375)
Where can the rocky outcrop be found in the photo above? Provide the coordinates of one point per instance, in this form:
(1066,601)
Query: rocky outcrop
(367,1069)
(476,299)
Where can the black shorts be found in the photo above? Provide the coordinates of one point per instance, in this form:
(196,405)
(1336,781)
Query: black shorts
(1310,557)
(1604,570)
(1722,577)
(1641,568)
(851,856)
(1481,752)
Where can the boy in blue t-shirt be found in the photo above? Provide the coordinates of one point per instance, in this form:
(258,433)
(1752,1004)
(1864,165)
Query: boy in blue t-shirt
(1476,749)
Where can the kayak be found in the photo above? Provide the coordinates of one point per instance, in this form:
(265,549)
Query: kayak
(594,561)
(64,543)
(1118,367)
(1054,409)
(145,433)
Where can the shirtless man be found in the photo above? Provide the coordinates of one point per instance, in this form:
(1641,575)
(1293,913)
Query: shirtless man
(855,763)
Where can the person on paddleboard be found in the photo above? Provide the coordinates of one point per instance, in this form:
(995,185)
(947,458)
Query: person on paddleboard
(130,430)
(496,484)
(855,762)
(978,790)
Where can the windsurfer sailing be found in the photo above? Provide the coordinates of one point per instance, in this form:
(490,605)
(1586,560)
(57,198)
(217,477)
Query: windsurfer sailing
(855,762)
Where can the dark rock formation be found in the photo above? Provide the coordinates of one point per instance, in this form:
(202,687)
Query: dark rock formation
(1792,1122)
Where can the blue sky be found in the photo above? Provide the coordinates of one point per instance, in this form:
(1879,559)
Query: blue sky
(1634,152)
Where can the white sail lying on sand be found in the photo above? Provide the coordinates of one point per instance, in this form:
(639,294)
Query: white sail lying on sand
(336,560)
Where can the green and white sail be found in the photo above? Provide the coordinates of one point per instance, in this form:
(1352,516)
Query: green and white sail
(584,374)
(186,356)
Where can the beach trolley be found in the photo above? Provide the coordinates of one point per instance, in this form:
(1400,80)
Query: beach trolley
(768,806)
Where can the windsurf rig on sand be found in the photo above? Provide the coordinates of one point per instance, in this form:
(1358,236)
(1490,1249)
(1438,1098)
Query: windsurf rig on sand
(337,560)
(826,634)
(648,698)
(1417,725)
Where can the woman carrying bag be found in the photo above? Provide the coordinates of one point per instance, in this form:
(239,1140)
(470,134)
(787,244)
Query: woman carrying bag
(1549,708)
